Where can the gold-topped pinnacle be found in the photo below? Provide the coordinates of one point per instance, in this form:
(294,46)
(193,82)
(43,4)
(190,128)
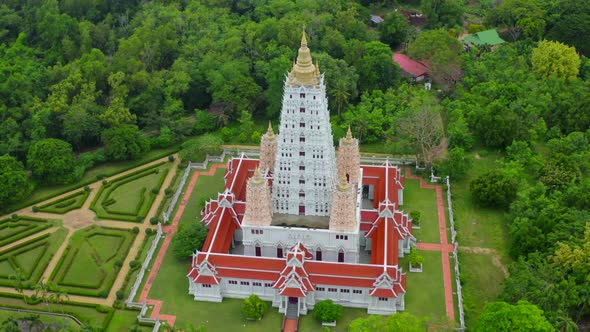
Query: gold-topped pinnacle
(349,139)
(257,177)
(343,185)
(303,72)
(270,133)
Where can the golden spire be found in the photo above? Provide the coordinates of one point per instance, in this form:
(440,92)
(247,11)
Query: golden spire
(270,132)
(349,136)
(257,178)
(303,72)
(343,185)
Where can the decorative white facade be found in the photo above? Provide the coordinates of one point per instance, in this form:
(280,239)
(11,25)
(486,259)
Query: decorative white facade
(305,161)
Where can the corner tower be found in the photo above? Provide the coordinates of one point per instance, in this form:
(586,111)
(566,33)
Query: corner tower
(305,161)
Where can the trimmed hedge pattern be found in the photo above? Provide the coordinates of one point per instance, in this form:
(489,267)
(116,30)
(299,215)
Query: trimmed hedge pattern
(87,242)
(103,203)
(12,230)
(45,245)
(67,203)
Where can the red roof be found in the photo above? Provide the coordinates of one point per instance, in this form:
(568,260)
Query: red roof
(410,65)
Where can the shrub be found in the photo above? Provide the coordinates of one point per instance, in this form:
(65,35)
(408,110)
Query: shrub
(155,191)
(87,188)
(101,176)
(149,231)
(104,182)
(416,216)
(120,294)
(135,230)
(35,208)
(473,28)
(327,311)
(154,220)
(14,216)
(103,293)
(118,264)
(188,239)
(494,189)
(139,218)
(133,264)
(415,258)
(171,158)
(253,307)
(168,191)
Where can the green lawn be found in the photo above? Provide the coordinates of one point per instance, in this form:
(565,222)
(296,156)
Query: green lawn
(206,187)
(45,319)
(425,295)
(308,324)
(145,246)
(124,320)
(66,204)
(482,282)
(423,200)
(477,226)
(45,192)
(130,196)
(89,266)
(31,258)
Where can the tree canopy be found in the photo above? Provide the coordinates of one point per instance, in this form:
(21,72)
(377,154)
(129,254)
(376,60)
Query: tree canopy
(556,59)
(52,160)
(14,180)
(502,316)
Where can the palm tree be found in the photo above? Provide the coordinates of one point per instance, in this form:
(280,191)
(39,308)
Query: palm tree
(10,325)
(42,291)
(19,279)
(340,94)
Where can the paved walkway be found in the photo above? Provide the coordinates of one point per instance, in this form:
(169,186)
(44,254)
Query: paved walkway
(84,217)
(170,231)
(444,247)
(291,325)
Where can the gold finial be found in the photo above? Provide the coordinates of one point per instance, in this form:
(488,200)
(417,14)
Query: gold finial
(349,138)
(343,185)
(303,39)
(257,178)
(270,132)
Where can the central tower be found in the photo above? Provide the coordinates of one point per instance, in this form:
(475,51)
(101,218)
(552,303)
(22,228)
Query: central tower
(305,165)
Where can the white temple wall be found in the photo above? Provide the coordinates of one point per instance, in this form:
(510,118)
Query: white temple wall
(330,243)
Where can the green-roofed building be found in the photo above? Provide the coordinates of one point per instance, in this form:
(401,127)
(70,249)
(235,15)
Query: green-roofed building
(488,37)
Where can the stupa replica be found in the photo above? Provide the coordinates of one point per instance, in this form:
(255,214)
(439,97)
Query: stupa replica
(299,225)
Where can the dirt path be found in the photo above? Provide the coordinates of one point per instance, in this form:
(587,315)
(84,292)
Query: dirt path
(488,251)
(51,266)
(444,245)
(25,239)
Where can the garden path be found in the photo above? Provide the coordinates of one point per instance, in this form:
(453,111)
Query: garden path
(443,246)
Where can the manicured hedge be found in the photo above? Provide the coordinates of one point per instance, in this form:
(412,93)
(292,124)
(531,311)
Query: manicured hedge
(66,203)
(34,225)
(108,270)
(141,209)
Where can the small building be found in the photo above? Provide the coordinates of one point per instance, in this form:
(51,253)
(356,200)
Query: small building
(417,70)
(376,19)
(484,38)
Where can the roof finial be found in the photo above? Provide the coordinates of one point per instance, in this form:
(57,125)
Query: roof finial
(343,185)
(303,39)
(349,133)
(270,132)
(257,177)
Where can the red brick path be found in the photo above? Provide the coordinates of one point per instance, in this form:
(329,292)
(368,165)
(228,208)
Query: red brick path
(444,247)
(170,231)
(290,325)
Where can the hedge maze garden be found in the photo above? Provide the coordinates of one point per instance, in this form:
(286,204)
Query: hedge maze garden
(67,203)
(27,260)
(92,260)
(130,197)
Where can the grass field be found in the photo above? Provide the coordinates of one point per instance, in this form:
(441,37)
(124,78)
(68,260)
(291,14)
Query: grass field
(130,196)
(479,227)
(423,200)
(89,266)
(125,320)
(145,247)
(30,258)
(482,282)
(207,186)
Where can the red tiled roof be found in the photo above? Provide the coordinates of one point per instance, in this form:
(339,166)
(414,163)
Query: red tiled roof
(410,65)
(293,292)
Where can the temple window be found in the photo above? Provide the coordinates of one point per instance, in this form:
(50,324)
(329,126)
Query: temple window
(206,285)
(301,124)
(302,110)
(383,299)
(302,95)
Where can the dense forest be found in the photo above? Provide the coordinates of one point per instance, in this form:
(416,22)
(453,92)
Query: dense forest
(84,82)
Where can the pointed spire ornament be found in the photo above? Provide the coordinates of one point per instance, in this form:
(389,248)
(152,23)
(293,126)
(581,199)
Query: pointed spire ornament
(270,132)
(257,178)
(304,72)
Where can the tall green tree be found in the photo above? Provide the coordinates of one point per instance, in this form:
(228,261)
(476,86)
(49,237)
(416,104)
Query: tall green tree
(402,321)
(52,160)
(376,68)
(14,180)
(394,30)
(443,13)
(521,17)
(124,142)
(502,316)
(556,59)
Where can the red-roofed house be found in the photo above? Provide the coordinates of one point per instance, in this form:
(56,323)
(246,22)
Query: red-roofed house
(417,70)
